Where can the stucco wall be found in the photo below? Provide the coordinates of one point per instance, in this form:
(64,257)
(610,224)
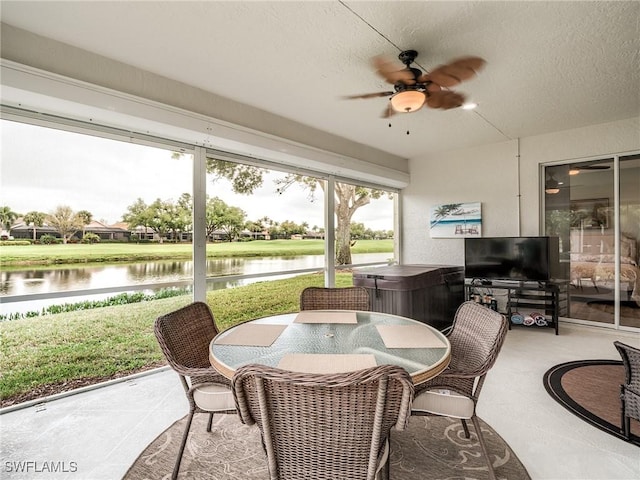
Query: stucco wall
(588,142)
(489,174)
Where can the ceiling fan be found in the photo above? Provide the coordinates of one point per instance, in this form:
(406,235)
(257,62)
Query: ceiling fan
(414,89)
(575,169)
(551,185)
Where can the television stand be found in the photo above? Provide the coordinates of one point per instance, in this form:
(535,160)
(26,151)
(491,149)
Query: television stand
(550,299)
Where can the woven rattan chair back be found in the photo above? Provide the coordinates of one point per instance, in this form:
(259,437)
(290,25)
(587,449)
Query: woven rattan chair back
(630,389)
(347,298)
(476,338)
(184,336)
(319,427)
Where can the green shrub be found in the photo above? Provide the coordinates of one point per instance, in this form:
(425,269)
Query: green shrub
(9,243)
(90,237)
(120,299)
(47,239)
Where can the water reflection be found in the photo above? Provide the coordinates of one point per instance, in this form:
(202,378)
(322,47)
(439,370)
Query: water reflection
(42,280)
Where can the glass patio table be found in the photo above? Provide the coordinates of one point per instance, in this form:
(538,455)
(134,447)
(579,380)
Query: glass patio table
(332,341)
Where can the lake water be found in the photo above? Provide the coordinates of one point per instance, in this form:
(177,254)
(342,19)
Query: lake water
(33,281)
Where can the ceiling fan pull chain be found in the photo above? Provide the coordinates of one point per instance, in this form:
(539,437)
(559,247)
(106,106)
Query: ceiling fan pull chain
(408,132)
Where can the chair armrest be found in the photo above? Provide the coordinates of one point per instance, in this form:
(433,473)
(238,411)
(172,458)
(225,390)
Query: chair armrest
(447,330)
(460,373)
(242,404)
(195,372)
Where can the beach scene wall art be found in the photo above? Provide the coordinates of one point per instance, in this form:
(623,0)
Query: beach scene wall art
(456,220)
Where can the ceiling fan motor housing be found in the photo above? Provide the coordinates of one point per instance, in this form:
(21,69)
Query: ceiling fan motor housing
(408,56)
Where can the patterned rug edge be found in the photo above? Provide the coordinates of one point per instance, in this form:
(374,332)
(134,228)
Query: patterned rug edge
(517,470)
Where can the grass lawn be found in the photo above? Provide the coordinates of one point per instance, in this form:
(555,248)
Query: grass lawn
(20,255)
(46,355)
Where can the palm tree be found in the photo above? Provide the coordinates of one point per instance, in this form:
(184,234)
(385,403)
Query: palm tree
(36,219)
(7,217)
(444,210)
(86,218)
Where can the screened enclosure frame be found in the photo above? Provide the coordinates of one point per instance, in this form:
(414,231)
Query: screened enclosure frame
(199,191)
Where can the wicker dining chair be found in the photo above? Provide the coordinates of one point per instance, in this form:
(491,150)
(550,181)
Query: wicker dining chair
(324,426)
(184,336)
(476,337)
(630,389)
(346,298)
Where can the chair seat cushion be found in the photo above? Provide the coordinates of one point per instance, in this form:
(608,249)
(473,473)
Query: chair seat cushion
(443,402)
(212,397)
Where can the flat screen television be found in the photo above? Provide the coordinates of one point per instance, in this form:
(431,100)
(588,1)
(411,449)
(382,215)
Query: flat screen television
(512,258)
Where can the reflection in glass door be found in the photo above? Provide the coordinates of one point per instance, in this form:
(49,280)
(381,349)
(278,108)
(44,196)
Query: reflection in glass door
(629,240)
(600,260)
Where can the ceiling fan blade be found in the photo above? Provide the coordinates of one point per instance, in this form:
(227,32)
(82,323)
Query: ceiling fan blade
(445,100)
(392,72)
(474,63)
(433,88)
(457,71)
(368,95)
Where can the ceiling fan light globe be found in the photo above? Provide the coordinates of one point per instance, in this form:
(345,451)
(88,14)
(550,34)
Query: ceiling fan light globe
(408,101)
(552,191)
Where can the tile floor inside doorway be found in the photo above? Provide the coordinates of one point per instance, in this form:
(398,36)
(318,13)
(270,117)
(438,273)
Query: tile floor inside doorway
(98,434)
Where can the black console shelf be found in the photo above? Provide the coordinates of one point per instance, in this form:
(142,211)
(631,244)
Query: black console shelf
(550,298)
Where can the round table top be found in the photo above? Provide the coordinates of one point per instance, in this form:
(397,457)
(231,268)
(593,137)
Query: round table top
(423,350)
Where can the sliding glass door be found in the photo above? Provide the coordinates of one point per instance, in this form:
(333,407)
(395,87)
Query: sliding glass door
(629,245)
(594,207)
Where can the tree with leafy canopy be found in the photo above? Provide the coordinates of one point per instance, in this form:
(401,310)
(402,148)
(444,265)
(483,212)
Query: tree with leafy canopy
(65,222)
(161,219)
(358,230)
(233,222)
(256,227)
(181,216)
(36,219)
(138,215)
(289,228)
(245,179)
(220,216)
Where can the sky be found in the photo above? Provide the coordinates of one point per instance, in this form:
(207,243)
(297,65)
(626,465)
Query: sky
(42,168)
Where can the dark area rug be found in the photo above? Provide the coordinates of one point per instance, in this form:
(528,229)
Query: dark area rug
(590,389)
(432,447)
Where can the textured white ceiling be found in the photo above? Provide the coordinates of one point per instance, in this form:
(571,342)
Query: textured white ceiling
(550,65)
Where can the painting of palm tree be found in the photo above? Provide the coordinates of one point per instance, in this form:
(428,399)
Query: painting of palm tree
(456,220)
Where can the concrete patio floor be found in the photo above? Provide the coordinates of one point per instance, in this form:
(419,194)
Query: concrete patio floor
(97,434)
